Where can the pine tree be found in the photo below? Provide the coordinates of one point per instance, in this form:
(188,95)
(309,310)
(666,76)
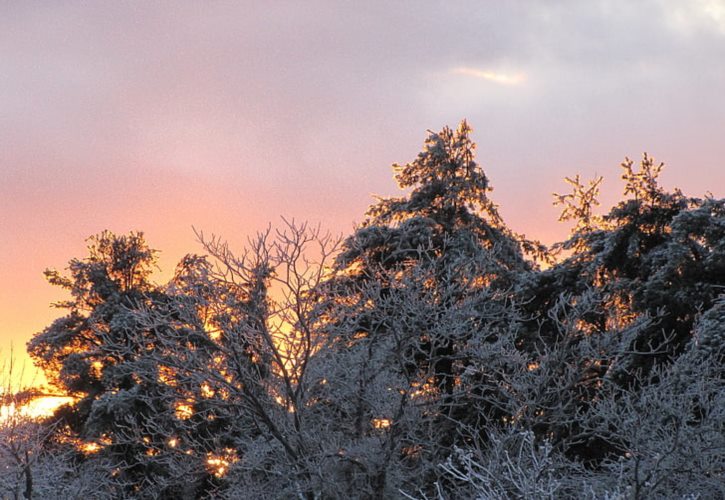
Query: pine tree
(656,254)
(418,286)
(99,353)
(72,351)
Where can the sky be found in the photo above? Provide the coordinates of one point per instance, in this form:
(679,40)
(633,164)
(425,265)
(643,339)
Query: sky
(225,116)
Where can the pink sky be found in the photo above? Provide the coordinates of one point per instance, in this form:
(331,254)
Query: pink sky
(160,116)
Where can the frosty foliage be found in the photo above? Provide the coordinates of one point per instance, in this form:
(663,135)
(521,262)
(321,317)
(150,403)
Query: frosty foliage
(425,355)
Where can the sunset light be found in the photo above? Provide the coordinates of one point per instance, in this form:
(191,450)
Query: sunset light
(184,411)
(366,250)
(381,423)
(45,406)
(218,463)
(37,408)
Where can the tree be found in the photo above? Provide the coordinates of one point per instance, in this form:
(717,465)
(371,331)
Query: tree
(656,253)
(423,281)
(21,438)
(424,355)
(648,268)
(72,350)
(669,428)
(97,353)
(237,340)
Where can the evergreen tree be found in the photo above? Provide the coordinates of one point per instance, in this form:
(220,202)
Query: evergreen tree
(656,254)
(103,287)
(646,270)
(100,354)
(417,288)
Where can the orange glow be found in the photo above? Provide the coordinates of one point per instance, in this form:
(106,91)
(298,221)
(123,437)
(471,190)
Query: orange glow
(354,268)
(482,281)
(381,423)
(281,401)
(90,448)
(206,390)
(184,411)
(623,316)
(218,463)
(37,408)
(209,327)
(425,389)
(96,369)
(166,376)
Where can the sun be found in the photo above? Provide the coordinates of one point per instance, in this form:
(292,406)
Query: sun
(43,406)
(46,405)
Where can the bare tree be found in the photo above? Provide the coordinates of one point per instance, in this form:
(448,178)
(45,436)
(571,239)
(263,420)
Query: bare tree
(234,344)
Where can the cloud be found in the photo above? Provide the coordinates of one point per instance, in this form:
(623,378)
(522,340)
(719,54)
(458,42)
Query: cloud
(697,17)
(500,78)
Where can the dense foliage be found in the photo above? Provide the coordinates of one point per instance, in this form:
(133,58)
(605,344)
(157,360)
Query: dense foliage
(426,355)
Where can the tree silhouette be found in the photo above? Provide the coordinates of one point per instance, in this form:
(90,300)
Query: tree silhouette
(424,280)
(426,355)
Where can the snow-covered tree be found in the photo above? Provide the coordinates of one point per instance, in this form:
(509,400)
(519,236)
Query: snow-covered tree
(424,279)
(236,341)
(99,354)
(656,253)
(425,355)
(622,304)
(668,431)
(72,351)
